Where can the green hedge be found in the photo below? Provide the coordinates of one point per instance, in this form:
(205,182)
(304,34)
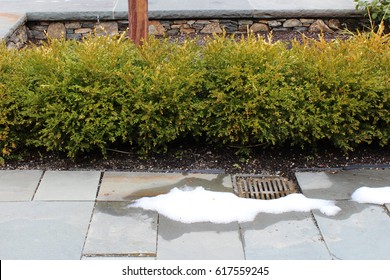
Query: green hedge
(76,97)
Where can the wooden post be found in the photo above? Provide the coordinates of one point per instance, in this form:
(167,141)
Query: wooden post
(138,21)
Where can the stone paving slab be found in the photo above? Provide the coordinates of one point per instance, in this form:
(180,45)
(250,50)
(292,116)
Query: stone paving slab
(288,236)
(68,185)
(57,230)
(113,9)
(303,8)
(56,5)
(9,22)
(339,185)
(118,230)
(127,186)
(18,185)
(190,5)
(61,9)
(359,231)
(302,4)
(243,8)
(105,258)
(192,9)
(43,230)
(198,5)
(198,241)
(205,5)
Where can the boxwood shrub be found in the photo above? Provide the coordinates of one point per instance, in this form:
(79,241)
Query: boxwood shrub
(75,97)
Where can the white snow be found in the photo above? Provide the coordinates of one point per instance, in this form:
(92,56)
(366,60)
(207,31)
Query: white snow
(191,205)
(372,195)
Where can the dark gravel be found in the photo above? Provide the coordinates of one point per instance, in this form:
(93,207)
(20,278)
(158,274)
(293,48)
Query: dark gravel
(192,157)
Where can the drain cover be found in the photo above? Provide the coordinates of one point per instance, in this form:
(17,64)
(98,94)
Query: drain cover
(262,187)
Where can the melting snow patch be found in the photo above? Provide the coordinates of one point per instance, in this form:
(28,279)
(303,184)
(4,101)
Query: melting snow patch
(191,205)
(372,195)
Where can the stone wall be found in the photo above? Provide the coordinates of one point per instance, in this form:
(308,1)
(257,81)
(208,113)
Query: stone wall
(37,31)
(19,38)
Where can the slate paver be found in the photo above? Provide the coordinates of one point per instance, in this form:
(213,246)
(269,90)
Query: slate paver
(339,185)
(119,230)
(57,230)
(303,5)
(282,237)
(36,230)
(116,258)
(190,5)
(114,9)
(60,6)
(9,22)
(197,241)
(359,231)
(127,186)
(68,185)
(18,185)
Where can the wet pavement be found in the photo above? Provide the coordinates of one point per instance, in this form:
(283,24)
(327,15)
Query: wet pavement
(85,215)
(359,231)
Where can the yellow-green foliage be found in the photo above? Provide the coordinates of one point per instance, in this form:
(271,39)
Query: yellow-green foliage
(75,97)
(8,104)
(350,90)
(248,83)
(163,85)
(263,93)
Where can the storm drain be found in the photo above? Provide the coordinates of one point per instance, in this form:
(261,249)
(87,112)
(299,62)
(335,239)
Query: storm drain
(262,187)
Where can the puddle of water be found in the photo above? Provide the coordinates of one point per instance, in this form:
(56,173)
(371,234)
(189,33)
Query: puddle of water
(219,184)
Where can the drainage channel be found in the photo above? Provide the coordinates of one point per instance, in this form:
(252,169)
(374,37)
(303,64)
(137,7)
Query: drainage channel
(262,187)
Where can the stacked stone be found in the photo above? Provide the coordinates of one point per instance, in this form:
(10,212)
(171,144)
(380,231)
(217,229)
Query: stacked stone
(70,30)
(18,38)
(37,31)
(176,27)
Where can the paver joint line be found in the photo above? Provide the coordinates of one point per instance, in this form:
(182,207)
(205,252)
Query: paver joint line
(387,210)
(242,239)
(322,236)
(39,183)
(88,228)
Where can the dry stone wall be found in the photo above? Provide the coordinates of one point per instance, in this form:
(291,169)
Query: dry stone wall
(37,31)
(18,38)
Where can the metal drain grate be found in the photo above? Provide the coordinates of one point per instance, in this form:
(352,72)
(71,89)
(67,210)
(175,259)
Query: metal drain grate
(262,187)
